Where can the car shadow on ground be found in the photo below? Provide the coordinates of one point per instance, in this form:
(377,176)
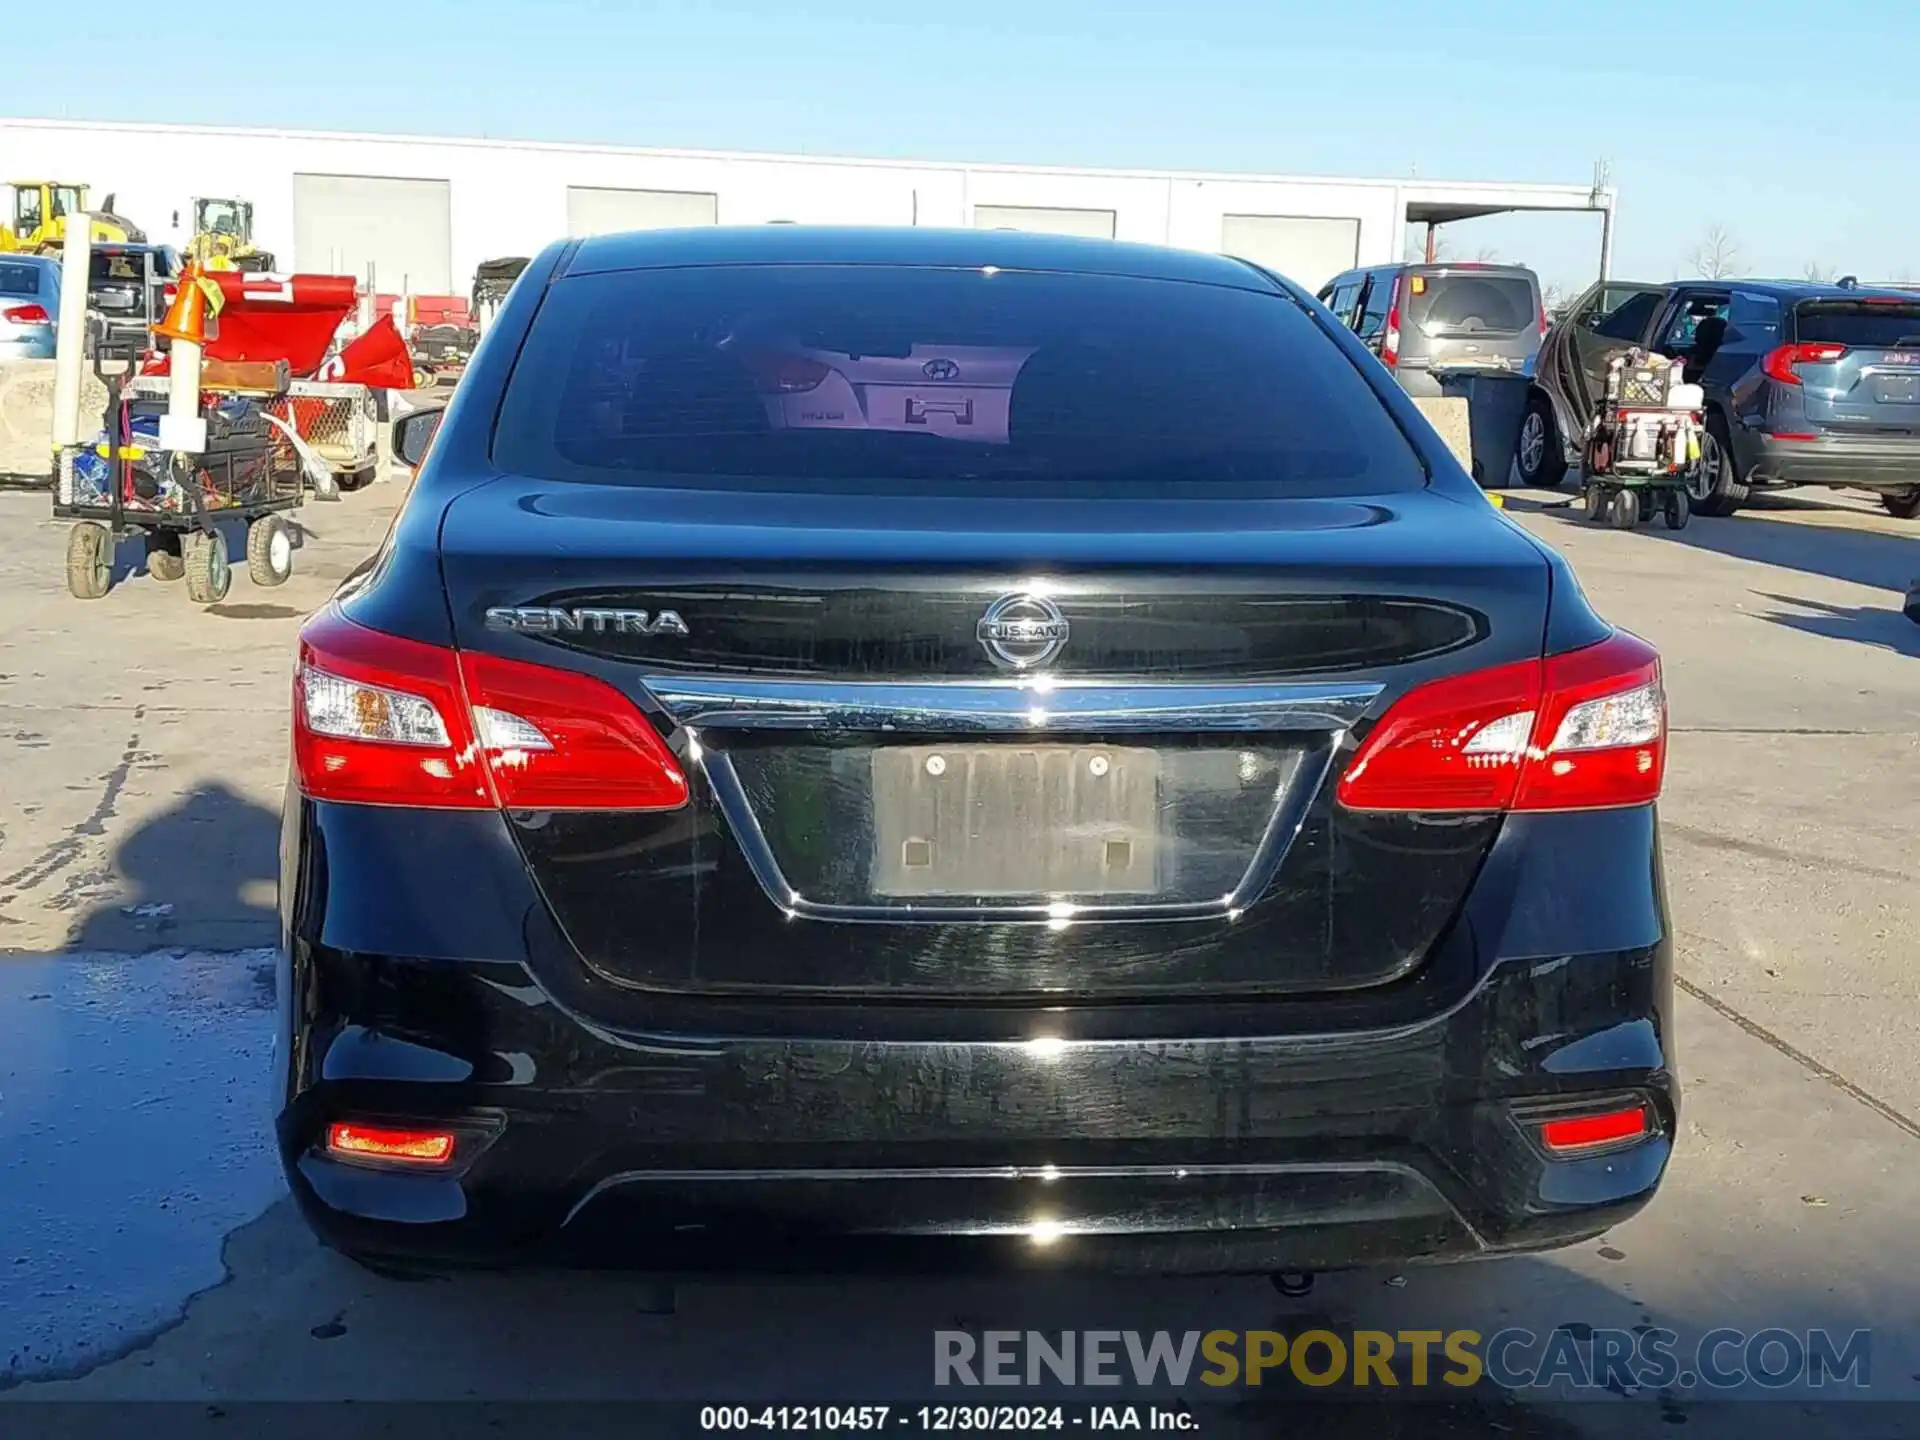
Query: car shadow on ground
(1862,624)
(1766,532)
(199,875)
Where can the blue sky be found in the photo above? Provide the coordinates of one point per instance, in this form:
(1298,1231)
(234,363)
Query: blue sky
(1789,122)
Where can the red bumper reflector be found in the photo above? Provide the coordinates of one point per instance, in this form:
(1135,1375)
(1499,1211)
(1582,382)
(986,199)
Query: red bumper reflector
(1588,1132)
(425,1148)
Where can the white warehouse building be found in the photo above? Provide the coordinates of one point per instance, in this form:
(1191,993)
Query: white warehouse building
(421,213)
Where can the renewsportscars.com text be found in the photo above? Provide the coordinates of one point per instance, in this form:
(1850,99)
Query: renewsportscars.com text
(1514,1359)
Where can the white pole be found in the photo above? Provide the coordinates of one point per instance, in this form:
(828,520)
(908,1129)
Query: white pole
(183,429)
(70,334)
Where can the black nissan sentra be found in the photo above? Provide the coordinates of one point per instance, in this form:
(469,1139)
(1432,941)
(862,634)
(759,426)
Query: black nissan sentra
(882,745)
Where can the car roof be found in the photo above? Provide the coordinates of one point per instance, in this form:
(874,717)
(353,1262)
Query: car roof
(874,245)
(1797,289)
(1459,267)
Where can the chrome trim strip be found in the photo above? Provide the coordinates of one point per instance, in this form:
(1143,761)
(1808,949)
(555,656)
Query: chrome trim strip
(1044,1173)
(1320,713)
(1032,705)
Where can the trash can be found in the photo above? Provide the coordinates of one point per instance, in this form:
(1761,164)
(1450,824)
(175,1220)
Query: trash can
(1496,406)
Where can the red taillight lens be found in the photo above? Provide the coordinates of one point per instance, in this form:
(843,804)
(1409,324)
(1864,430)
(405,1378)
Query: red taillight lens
(1779,363)
(27,315)
(379,720)
(557,740)
(1543,319)
(428,1149)
(1390,339)
(777,374)
(1582,731)
(1575,1133)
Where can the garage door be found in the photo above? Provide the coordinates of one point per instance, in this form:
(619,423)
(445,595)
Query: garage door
(1308,250)
(1095,223)
(593,211)
(403,228)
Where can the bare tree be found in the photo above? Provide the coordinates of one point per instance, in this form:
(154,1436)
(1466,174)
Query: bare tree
(1486,255)
(1417,246)
(1554,297)
(1716,255)
(1816,272)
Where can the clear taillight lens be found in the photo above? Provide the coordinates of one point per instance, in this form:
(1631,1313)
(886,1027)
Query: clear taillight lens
(352,710)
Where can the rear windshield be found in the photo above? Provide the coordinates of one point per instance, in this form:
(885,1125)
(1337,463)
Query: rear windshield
(1867,324)
(1457,307)
(110,266)
(18,279)
(896,379)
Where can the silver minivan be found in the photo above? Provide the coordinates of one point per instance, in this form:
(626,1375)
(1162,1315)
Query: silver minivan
(1424,320)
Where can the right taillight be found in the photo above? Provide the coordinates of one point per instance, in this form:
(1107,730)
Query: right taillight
(381,720)
(1585,730)
(1779,362)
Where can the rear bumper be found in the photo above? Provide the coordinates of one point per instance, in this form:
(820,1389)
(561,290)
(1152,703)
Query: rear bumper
(1870,463)
(1313,1142)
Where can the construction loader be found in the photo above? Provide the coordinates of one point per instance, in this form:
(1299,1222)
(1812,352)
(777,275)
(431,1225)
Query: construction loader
(37,218)
(223,236)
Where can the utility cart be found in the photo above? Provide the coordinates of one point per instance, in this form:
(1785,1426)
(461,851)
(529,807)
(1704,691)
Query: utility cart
(124,484)
(1643,445)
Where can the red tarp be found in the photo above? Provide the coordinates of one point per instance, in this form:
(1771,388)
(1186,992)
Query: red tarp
(278,317)
(379,359)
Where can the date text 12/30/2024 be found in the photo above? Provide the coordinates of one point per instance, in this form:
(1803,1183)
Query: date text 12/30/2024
(946,1419)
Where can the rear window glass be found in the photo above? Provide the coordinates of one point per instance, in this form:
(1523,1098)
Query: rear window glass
(892,379)
(18,279)
(1869,324)
(110,266)
(1454,307)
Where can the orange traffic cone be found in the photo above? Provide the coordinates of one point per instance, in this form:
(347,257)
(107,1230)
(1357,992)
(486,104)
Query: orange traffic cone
(186,318)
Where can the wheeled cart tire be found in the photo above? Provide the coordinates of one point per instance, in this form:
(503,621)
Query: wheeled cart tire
(1594,502)
(164,561)
(1623,511)
(1678,511)
(209,576)
(89,560)
(269,551)
(1902,504)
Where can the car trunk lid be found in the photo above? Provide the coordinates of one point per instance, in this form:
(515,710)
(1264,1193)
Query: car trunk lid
(887,805)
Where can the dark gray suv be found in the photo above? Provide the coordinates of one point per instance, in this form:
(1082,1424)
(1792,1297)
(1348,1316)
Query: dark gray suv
(1806,384)
(1425,319)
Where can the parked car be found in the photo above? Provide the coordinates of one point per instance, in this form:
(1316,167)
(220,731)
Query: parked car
(1422,320)
(1806,383)
(725,835)
(29,306)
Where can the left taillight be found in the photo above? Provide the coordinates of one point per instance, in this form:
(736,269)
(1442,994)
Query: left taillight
(1390,337)
(382,720)
(1585,730)
(26,315)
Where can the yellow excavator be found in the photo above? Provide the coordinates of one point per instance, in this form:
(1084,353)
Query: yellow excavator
(37,219)
(223,236)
